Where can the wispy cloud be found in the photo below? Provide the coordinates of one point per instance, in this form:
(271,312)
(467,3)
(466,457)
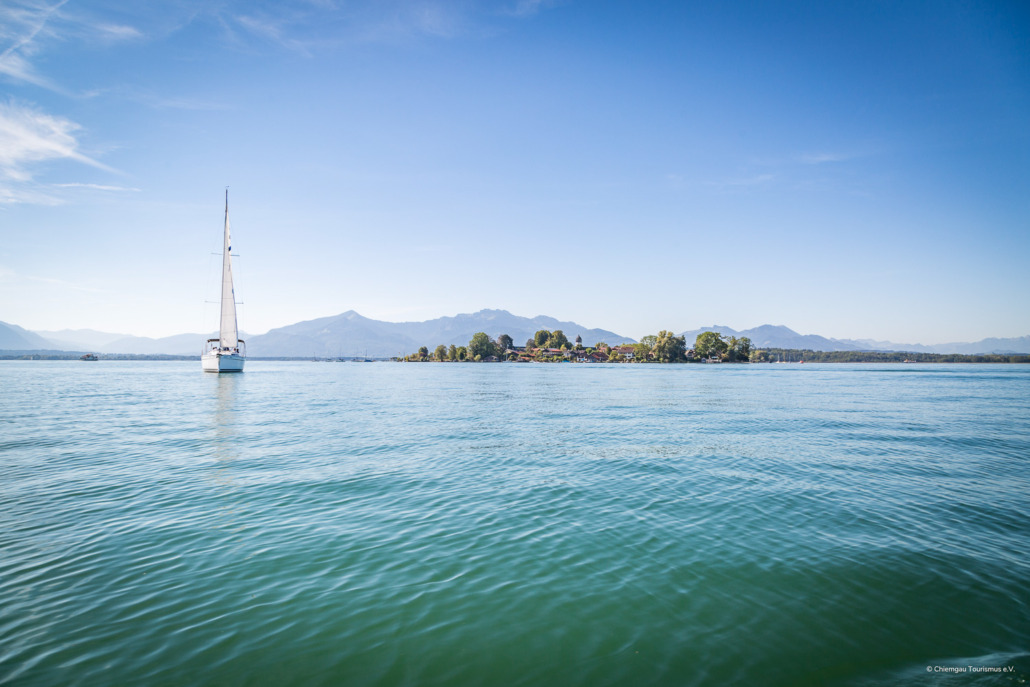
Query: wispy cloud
(99,187)
(20,194)
(9,276)
(147,97)
(822,158)
(29,138)
(26,24)
(806,158)
(527,8)
(117,32)
(400,20)
(744,182)
(307,28)
(16,67)
(435,19)
(20,26)
(274,30)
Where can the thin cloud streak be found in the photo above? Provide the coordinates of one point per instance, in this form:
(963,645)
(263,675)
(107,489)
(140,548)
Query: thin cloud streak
(742,182)
(528,8)
(325,26)
(117,32)
(10,195)
(24,24)
(100,187)
(274,32)
(8,276)
(822,158)
(28,138)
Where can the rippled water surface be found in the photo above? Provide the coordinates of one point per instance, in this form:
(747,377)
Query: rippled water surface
(390,524)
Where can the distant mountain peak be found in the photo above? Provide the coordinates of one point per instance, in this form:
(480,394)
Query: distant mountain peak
(775,328)
(484,314)
(349,333)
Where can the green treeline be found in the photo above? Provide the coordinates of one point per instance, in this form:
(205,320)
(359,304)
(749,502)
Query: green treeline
(791,355)
(665,347)
(548,346)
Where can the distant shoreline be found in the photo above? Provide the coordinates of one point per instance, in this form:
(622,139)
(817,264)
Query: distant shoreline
(798,356)
(944,359)
(65,355)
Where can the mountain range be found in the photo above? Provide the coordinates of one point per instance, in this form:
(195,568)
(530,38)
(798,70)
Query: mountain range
(345,335)
(773,336)
(350,334)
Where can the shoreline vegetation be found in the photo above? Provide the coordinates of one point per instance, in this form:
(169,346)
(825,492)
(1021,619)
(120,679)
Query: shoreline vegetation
(554,347)
(708,347)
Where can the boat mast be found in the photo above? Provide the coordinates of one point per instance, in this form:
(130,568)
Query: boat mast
(227,333)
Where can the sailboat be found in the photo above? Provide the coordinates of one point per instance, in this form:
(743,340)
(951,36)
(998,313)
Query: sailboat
(228,352)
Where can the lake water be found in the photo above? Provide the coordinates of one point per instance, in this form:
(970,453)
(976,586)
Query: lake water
(462,524)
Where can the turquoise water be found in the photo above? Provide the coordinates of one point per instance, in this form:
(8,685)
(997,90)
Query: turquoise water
(390,524)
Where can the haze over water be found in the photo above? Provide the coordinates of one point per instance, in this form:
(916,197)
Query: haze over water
(461,524)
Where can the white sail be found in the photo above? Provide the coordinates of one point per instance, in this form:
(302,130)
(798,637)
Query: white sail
(227,353)
(227,332)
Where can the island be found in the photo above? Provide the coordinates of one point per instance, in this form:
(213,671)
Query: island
(664,347)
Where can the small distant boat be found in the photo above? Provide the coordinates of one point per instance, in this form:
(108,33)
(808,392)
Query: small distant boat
(228,352)
(89,356)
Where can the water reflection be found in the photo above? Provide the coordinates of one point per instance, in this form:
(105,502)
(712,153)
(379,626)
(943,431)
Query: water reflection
(226,452)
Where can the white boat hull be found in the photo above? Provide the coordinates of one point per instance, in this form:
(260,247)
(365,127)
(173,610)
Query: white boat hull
(222,362)
(227,352)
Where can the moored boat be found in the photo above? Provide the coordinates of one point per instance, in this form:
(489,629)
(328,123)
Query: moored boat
(228,352)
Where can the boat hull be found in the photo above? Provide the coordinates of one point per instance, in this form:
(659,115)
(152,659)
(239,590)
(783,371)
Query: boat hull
(222,362)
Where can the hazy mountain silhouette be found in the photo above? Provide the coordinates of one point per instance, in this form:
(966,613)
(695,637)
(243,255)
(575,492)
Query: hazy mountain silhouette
(771,336)
(14,338)
(350,334)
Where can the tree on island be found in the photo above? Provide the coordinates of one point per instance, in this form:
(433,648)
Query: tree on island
(665,347)
(738,349)
(557,340)
(480,346)
(547,339)
(710,344)
(669,348)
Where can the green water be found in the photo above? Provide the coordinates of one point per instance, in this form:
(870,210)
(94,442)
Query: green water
(388,524)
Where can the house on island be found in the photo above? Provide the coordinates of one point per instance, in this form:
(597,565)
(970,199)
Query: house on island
(626,352)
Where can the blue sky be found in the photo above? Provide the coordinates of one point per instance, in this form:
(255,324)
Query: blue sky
(847,169)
